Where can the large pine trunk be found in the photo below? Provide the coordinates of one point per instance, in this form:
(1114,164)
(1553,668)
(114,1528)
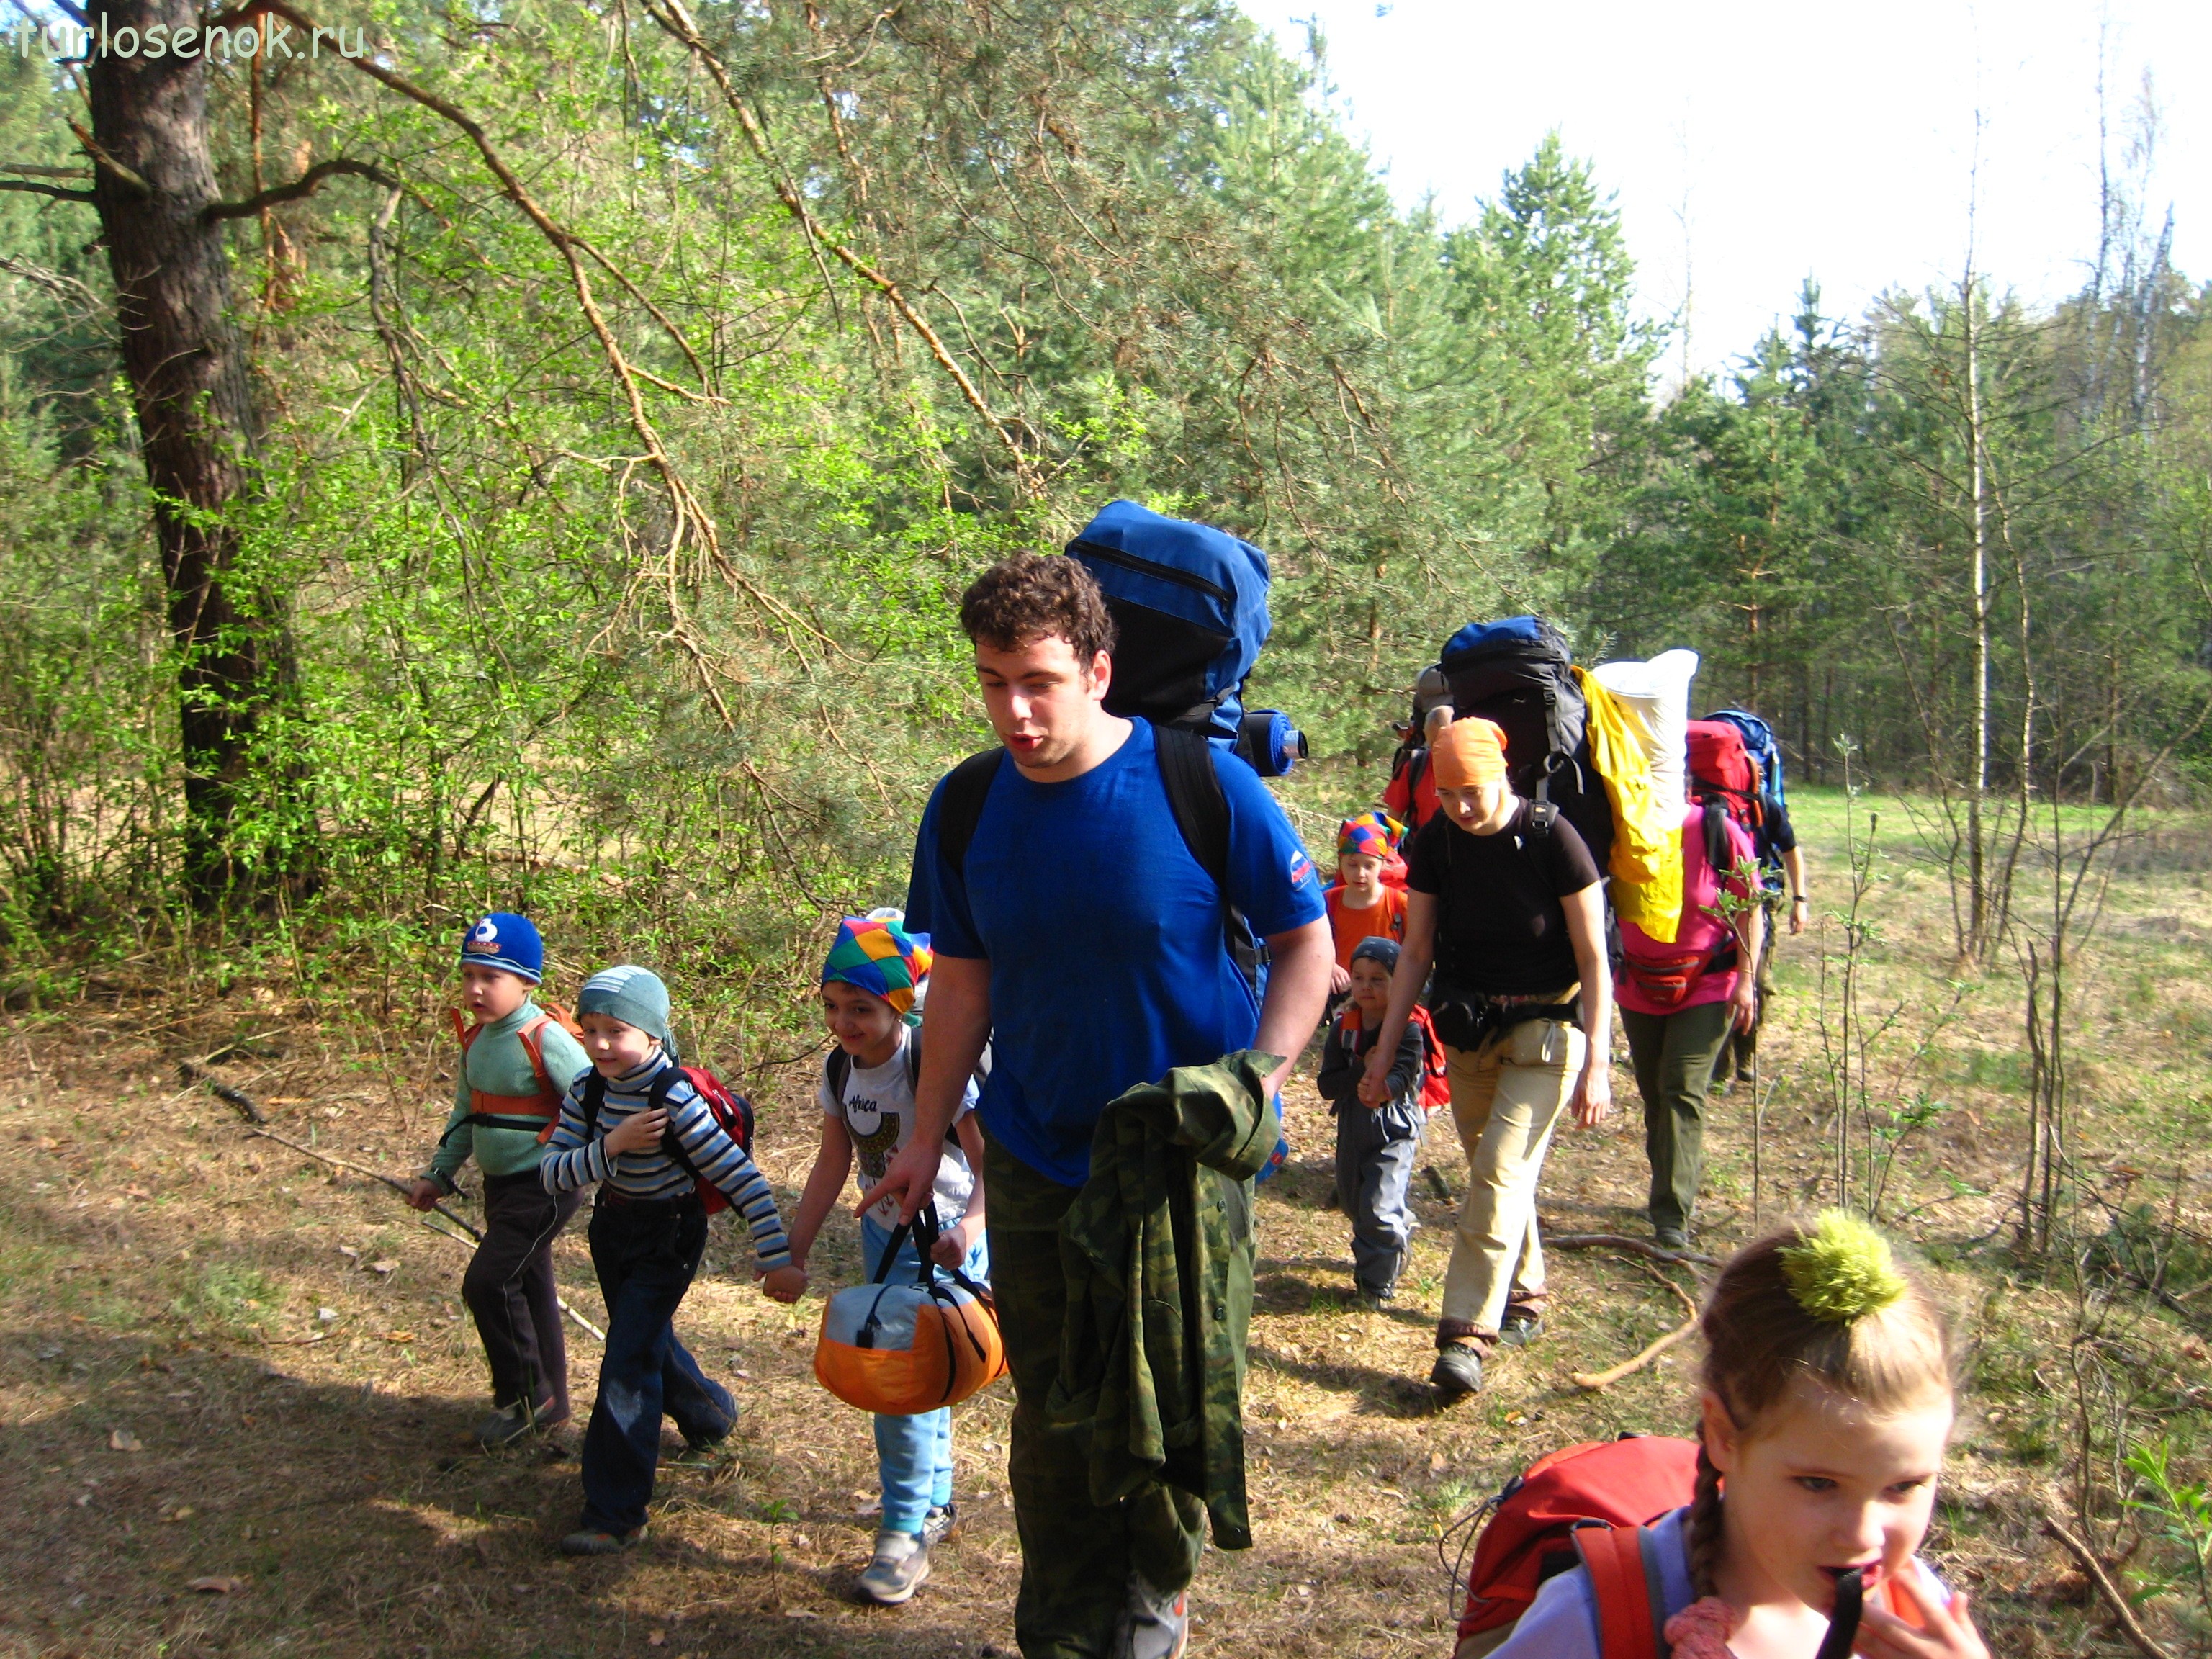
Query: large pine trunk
(187,370)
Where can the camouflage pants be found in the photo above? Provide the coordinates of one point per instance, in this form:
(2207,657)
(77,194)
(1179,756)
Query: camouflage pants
(1077,1557)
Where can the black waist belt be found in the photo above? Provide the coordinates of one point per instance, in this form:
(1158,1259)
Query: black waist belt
(1466,1019)
(614,1198)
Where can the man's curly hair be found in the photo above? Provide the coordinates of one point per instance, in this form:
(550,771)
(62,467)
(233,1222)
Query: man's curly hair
(1035,596)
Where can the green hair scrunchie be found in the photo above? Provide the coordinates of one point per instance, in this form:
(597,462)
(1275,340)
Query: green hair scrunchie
(1844,1272)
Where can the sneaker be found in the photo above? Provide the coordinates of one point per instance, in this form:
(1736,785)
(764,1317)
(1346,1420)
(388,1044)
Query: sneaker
(712,1439)
(1154,1626)
(508,1424)
(589,1542)
(1457,1373)
(899,1569)
(1520,1326)
(937,1525)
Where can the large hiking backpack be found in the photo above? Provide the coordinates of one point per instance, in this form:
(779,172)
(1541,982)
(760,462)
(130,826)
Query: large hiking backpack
(1722,777)
(1519,674)
(1760,742)
(1190,605)
(1590,1505)
(731,1112)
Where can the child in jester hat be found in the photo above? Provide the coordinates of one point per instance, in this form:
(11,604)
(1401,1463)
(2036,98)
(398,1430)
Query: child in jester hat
(1361,904)
(872,985)
(516,1062)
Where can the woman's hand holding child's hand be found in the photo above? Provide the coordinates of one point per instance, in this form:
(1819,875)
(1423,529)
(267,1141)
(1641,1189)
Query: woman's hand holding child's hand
(424,1194)
(1945,1632)
(786,1284)
(637,1132)
(1375,1080)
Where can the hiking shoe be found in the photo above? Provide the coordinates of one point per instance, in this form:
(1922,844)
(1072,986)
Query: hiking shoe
(899,1566)
(937,1525)
(710,1440)
(1152,1625)
(1457,1374)
(589,1541)
(1520,1326)
(505,1425)
(1671,1238)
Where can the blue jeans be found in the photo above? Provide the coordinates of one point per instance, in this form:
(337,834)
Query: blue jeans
(645,1255)
(913,1455)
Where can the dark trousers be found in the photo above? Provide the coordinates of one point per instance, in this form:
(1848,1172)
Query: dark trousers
(1674,1055)
(510,1292)
(1376,1151)
(645,1255)
(1076,1556)
(1739,1049)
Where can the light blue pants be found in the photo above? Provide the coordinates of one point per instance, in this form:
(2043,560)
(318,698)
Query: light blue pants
(913,1455)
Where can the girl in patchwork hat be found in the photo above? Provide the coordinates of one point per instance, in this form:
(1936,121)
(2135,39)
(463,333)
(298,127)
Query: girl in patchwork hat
(872,989)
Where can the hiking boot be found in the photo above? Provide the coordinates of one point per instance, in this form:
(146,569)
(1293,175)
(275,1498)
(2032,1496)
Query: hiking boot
(1520,1326)
(1457,1373)
(505,1425)
(1671,1238)
(589,1541)
(937,1525)
(1152,1625)
(899,1566)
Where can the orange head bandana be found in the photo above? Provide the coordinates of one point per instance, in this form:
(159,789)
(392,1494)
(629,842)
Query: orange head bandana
(1468,752)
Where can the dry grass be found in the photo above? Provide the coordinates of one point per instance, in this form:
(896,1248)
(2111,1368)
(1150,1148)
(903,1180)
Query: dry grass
(163,1277)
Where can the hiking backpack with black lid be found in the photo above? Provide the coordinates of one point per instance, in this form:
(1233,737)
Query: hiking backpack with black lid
(1519,674)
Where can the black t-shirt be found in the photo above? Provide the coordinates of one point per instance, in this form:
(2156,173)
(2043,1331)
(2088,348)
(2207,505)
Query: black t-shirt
(1779,835)
(1500,927)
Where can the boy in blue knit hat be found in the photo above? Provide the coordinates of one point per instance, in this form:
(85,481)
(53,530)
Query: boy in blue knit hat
(623,1126)
(517,1061)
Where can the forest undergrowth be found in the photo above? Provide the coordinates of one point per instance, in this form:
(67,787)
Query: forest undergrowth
(238,1384)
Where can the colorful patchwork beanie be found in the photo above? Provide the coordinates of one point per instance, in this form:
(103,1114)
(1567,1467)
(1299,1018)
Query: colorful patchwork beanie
(876,955)
(508,942)
(1375,834)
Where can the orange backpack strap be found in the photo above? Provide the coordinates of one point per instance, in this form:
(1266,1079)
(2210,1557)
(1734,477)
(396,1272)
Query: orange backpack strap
(465,1033)
(533,1044)
(1623,1563)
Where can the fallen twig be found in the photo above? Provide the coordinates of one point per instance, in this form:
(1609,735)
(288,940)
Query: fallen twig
(1595,1380)
(2122,1614)
(1621,1242)
(192,1072)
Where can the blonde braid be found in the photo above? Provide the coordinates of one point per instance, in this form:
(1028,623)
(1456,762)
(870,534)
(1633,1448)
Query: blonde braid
(1705,1526)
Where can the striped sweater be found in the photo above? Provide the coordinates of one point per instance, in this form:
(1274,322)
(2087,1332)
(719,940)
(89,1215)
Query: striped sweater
(571,1161)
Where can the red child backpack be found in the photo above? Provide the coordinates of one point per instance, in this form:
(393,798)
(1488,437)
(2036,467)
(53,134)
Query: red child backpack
(1589,1505)
(1436,1076)
(733,1115)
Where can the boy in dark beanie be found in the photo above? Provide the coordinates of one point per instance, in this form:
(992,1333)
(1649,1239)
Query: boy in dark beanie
(648,1232)
(1375,1147)
(517,1061)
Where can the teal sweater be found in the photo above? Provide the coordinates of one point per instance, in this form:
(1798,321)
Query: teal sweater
(497,1063)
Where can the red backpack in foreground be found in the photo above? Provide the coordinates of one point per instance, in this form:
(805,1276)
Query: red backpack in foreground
(1587,1505)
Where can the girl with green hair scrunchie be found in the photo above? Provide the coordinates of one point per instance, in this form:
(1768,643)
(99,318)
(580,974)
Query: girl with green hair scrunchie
(1828,1402)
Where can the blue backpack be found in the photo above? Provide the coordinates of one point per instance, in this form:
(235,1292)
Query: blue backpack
(1191,604)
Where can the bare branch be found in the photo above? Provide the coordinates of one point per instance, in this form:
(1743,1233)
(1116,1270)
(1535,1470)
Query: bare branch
(31,172)
(305,185)
(30,187)
(123,175)
(2122,1614)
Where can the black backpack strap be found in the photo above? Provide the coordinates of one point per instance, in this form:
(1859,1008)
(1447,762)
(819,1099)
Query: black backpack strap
(960,804)
(656,1100)
(1201,813)
(595,1095)
(837,1072)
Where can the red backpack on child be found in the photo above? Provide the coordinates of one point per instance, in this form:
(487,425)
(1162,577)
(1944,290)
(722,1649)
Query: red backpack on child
(733,1115)
(1589,1505)
(1436,1077)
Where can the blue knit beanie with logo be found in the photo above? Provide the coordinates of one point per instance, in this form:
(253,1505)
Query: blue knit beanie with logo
(506,941)
(633,995)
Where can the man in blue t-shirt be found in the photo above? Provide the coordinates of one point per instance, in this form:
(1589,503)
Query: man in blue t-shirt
(1081,936)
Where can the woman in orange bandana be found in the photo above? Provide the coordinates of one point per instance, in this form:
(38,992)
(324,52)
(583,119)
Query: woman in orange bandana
(1503,900)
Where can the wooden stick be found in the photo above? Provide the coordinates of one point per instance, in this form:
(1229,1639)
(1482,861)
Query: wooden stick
(2122,1614)
(192,1072)
(1621,1242)
(1595,1380)
(399,1187)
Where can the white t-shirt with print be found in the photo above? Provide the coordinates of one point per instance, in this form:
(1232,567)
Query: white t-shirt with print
(878,1114)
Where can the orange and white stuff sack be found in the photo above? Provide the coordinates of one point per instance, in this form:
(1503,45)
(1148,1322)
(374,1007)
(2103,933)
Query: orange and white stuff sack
(910,1347)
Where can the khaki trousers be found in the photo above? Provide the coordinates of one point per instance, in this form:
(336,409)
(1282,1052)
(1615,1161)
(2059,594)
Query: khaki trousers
(1507,1097)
